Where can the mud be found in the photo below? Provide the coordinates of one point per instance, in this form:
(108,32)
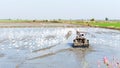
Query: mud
(52,47)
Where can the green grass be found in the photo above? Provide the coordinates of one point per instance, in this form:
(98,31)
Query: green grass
(100,24)
(112,24)
(103,24)
(107,24)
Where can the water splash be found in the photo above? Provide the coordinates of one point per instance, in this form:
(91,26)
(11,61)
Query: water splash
(31,38)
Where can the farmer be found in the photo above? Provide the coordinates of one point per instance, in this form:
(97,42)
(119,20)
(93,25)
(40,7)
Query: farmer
(80,35)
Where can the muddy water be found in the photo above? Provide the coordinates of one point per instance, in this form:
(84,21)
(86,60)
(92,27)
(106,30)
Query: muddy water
(49,47)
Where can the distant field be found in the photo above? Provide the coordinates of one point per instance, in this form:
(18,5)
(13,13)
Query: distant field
(107,24)
(13,21)
(113,24)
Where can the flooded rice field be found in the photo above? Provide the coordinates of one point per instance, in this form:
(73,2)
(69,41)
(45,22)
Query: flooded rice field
(52,47)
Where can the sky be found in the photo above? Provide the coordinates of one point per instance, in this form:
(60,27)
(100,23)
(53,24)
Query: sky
(59,9)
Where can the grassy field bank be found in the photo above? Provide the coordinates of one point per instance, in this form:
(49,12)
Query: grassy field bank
(107,24)
(102,24)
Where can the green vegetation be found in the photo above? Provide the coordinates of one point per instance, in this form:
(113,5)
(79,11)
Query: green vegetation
(92,22)
(104,24)
(107,24)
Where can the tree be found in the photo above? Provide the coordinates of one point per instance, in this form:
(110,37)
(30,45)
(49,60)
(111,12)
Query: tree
(92,19)
(34,20)
(106,19)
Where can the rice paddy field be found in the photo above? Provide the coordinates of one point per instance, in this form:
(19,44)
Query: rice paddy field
(43,45)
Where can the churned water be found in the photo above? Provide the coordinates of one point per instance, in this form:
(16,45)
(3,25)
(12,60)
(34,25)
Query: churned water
(49,47)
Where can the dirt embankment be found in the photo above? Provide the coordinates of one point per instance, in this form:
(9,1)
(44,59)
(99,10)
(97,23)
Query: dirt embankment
(12,25)
(35,24)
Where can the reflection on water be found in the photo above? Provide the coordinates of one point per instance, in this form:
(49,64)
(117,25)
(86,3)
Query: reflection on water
(80,54)
(43,47)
